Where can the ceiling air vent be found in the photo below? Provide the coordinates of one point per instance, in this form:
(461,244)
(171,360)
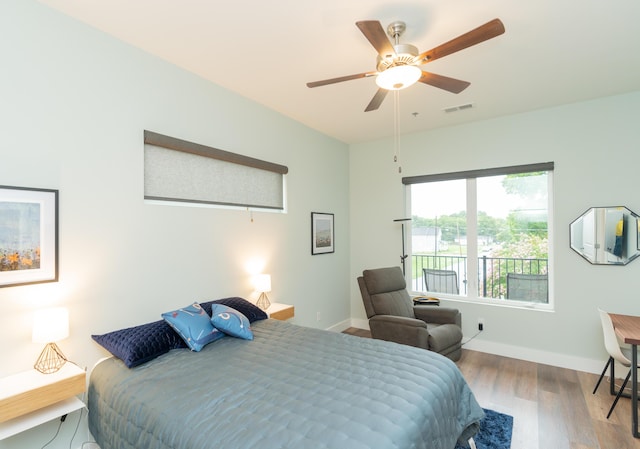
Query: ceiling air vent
(461,107)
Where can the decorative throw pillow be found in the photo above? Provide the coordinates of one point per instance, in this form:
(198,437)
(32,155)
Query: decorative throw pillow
(250,310)
(194,326)
(230,321)
(139,344)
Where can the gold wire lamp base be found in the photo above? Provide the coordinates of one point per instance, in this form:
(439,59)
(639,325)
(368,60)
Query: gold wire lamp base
(263,301)
(51,359)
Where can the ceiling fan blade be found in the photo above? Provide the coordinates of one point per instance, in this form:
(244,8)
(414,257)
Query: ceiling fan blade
(484,32)
(376,101)
(341,79)
(444,82)
(374,33)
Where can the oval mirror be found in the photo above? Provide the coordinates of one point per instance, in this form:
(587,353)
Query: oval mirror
(606,235)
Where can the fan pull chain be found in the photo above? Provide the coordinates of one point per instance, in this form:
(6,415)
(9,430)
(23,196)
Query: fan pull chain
(396,129)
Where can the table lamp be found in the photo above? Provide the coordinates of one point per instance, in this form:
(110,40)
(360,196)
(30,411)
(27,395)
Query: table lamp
(50,325)
(262,284)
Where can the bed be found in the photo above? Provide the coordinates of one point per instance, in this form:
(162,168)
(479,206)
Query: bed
(289,387)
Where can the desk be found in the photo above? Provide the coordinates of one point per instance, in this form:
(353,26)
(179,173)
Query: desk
(627,327)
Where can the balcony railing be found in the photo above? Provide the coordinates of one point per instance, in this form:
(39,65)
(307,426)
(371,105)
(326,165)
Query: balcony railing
(492,271)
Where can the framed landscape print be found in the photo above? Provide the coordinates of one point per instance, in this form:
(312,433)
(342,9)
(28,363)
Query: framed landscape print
(28,236)
(322,233)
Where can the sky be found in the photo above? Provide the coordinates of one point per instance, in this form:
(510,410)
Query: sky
(448,197)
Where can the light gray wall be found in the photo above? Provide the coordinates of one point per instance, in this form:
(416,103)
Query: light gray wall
(595,149)
(74,104)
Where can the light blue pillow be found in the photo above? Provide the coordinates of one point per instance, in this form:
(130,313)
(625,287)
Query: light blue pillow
(193,324)
(231,322)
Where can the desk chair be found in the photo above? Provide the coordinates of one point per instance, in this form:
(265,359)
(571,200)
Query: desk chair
(616,354)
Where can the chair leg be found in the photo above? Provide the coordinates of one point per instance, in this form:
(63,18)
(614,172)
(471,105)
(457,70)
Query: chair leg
(603,373)
(624,384)
(612,379)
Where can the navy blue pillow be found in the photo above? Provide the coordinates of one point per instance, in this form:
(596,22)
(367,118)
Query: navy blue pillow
(139,344)
(250,310)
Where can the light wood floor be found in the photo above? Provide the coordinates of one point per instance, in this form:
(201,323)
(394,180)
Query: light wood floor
(553,408)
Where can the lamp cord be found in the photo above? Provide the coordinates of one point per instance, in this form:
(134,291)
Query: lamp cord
(78,423)
(64,417)
(57,432)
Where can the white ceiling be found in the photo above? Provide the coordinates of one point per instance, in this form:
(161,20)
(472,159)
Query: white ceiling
(553,52)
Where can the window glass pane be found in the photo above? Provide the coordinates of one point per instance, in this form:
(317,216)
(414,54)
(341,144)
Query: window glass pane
(439,236)
(513,236)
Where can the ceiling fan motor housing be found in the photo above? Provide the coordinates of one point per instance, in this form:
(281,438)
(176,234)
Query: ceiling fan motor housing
(405,55)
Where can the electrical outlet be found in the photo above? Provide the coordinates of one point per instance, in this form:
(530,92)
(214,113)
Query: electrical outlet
(480,324)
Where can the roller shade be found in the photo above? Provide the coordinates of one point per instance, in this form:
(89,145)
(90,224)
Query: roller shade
(182,171)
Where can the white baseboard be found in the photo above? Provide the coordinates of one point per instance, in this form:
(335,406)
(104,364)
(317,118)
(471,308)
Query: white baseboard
(536,355)
(341,326)
(360,323)
(515,352)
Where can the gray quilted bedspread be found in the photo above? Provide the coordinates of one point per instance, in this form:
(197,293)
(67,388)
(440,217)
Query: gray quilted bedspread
(291,387)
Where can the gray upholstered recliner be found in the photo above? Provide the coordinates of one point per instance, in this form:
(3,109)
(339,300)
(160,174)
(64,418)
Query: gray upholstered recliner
(393,317)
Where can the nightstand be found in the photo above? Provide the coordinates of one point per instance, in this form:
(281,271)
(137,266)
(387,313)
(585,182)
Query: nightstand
(279,311)
(31,398)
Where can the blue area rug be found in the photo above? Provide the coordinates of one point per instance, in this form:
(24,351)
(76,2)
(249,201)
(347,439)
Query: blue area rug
(495,431)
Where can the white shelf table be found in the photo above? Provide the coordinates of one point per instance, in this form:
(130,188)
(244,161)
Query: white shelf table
(31,398)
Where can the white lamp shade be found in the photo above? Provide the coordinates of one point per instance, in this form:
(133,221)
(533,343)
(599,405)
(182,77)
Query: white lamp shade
(262,283)
(50,325)
(399,77)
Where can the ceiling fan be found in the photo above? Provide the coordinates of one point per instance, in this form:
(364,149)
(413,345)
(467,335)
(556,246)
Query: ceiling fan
(397,65)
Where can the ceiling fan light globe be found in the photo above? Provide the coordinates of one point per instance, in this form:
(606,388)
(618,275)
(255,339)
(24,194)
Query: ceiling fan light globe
(398,77)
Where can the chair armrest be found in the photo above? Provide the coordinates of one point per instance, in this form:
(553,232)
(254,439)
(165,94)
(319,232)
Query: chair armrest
(392,320)
(438,315)
(405,330)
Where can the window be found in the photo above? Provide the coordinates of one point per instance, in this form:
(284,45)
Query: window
(482,234)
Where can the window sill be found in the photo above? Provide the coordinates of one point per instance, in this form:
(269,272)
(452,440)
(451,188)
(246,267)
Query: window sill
(523,305)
